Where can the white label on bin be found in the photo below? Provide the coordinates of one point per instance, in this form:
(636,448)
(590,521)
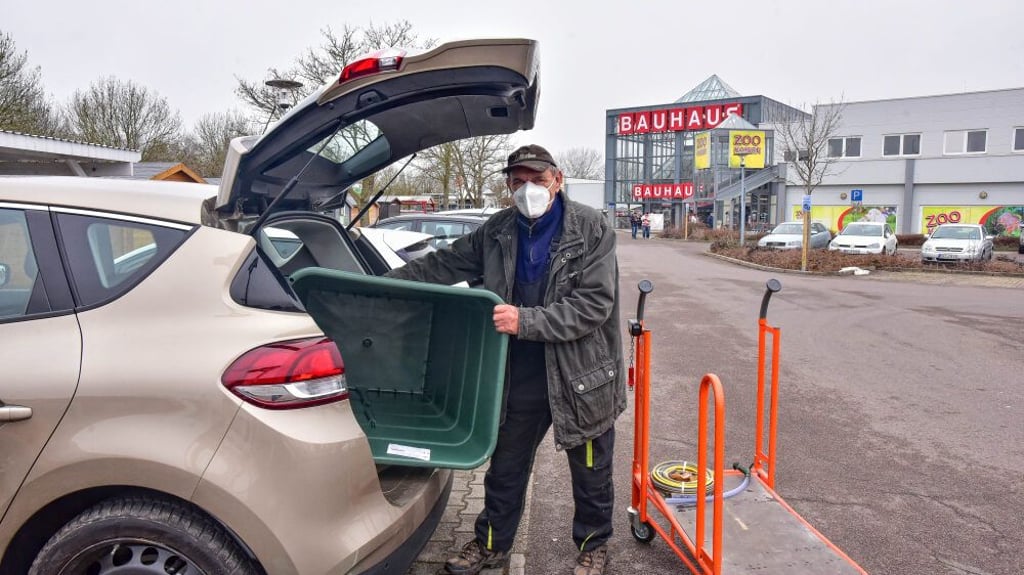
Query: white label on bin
(407,451)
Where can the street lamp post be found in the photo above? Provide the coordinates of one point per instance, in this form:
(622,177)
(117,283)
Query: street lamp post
(743,199)
(284,88)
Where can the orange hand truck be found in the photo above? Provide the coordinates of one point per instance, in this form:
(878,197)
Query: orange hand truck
(763,535)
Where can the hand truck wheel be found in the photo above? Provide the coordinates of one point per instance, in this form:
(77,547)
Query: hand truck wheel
(643,532)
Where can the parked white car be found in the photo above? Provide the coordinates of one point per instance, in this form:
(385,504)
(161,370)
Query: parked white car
(865,238)
(957,242)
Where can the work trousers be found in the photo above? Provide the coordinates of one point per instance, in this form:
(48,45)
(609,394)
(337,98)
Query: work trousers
(590,469)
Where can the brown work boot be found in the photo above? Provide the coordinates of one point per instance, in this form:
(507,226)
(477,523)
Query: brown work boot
(474,557)
(592,561)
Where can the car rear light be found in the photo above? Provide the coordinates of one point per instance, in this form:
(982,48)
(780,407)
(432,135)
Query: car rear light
(373,63)
(289,374)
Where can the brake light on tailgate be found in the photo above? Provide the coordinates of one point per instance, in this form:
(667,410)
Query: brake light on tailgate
(384,60)
(289,374)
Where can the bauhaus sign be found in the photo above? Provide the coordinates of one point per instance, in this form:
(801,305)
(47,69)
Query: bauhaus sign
(680,191)
(676,119)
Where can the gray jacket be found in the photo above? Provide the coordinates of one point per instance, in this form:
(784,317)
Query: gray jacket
(579,321)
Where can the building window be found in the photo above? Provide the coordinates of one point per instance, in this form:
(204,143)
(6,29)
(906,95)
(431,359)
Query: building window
(1018,139)
(966,142)
(901,145)
(844,147)
(796,155)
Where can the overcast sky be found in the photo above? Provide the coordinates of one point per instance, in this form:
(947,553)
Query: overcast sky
(595,56)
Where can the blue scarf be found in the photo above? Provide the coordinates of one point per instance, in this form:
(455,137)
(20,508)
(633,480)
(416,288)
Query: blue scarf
(534,242)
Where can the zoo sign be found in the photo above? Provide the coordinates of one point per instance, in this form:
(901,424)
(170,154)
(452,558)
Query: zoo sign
(746,146)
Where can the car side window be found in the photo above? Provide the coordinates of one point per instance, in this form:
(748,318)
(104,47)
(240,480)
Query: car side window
(444,232)
(395,225)
(108,257)
(19,270)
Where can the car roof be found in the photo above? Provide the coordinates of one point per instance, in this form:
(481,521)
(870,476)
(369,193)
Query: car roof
(436,216)
(173,201)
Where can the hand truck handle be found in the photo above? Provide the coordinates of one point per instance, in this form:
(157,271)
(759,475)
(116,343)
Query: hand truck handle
(645,287)
(636,325)
(773,285)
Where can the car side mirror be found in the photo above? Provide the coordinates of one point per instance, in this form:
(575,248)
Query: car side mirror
(990,238)
(5,274)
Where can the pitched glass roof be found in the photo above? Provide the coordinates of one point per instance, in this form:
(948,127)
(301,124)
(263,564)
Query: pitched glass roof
(711,89)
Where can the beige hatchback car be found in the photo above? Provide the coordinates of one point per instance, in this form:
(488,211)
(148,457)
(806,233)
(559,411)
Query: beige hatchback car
(173,398)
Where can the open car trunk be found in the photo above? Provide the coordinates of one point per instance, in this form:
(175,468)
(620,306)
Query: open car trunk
(424,365)
(354,128)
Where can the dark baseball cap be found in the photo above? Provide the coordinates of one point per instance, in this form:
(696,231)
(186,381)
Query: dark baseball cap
(532,157)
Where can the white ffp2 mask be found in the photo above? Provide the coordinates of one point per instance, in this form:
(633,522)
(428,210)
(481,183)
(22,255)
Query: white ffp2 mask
(532,200)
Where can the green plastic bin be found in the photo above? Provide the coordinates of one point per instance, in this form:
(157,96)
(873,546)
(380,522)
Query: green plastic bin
(424,365)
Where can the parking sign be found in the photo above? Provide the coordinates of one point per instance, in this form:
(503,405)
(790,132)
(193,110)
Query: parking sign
(856,195)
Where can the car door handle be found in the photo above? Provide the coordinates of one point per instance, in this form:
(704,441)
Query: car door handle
(14,413)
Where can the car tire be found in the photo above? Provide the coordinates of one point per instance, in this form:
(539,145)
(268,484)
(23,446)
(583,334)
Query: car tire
(142,534)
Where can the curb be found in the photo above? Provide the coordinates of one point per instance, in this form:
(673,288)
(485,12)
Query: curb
(765,268)
(893,270)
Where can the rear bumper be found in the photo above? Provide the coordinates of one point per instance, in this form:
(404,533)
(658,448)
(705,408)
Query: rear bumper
(399,561)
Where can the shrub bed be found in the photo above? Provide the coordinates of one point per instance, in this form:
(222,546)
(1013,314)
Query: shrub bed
(832,261)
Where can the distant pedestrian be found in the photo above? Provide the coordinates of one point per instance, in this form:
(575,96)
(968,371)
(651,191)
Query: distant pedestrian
(634,222)
(711,220)
(645,222)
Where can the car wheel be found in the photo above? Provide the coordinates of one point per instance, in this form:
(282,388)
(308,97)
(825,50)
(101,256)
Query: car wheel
(141,535)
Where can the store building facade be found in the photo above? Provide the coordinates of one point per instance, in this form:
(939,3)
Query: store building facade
(650,156)
(924,161)
(914,162)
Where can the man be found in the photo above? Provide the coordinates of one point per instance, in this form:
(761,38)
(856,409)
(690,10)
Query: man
(553,262)
(645,222)
(634,222)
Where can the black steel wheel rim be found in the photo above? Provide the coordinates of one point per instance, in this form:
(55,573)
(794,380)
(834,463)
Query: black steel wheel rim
(130,556)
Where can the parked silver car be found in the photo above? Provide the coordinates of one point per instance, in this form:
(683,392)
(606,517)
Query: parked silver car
(957,242)
(790,236)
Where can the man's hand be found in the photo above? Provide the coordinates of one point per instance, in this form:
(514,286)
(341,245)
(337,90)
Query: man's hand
(506,319)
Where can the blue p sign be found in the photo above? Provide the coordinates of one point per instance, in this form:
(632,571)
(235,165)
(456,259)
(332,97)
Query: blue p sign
(856,195)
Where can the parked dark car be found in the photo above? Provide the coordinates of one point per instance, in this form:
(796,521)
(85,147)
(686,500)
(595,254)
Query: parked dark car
(445,228)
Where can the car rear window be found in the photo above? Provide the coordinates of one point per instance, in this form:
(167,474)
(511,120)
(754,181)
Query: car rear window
(109,256)
(258,284)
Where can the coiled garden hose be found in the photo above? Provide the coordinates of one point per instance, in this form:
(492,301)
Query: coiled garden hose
(691,499)
(679,478)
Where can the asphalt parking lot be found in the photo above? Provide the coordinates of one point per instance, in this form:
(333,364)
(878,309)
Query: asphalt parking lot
(899,432)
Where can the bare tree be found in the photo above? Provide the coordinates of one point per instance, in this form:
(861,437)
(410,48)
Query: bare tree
(479,162)
(438,166)
(805,140)
(205,148)
(125,115)
(24,106)
(322,64)
(584,163)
